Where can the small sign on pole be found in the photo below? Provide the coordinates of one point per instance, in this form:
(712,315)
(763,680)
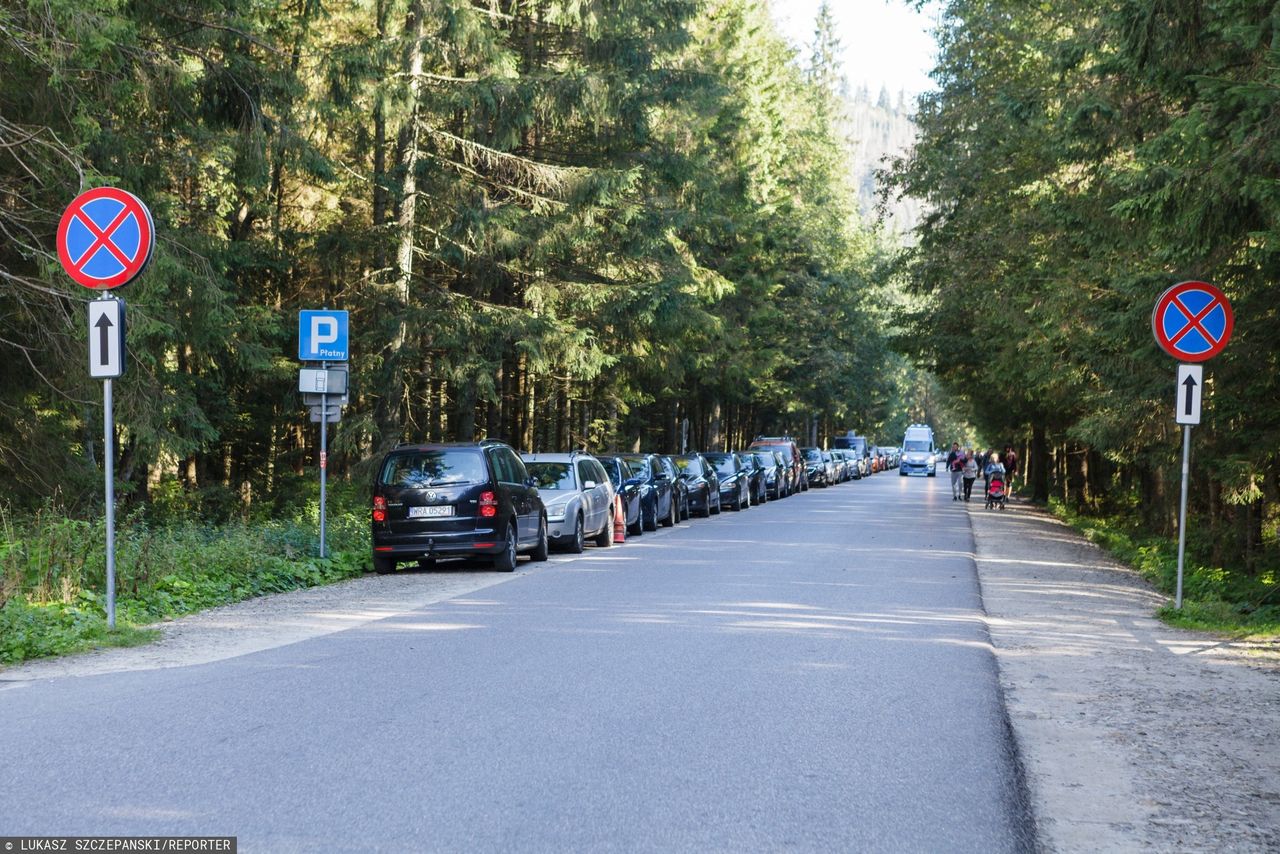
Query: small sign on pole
(106,338)
(1190,394)
(1192,322)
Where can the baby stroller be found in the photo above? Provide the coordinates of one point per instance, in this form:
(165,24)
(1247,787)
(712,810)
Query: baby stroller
(996,494)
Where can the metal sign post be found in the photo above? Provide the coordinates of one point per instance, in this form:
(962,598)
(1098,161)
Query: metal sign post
(1187,412)
(324,457)
(106,361)
(1192,322)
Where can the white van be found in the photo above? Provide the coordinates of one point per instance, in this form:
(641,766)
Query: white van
(919,454)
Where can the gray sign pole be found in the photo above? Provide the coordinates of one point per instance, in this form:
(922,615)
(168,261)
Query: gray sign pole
(1182,511)
(109,455)
(324,454)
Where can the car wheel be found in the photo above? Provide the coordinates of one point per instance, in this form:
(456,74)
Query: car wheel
(649,520)
(604,539)
(505,561)
(543,547)
(384,565)
(636,528)
(577,544)
(670,521)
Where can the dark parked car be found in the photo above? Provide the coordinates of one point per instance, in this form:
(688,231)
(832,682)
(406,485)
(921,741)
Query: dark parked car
(734,480)
(786,446)
(756,491)
(619,472)
(815,467)
(679,488)
(439,500)
(701,482)
(775,473)
(657,489)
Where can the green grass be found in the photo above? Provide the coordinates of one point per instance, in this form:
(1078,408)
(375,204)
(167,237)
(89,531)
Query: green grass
(53,571)
(1215,599)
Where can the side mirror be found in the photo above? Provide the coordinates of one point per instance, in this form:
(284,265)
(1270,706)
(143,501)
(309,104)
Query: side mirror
(531,481)
(662,475)
(589,484)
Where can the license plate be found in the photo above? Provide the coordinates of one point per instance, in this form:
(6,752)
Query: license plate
(430,512)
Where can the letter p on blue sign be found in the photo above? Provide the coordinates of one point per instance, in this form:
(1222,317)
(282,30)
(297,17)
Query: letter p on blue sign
(322,336)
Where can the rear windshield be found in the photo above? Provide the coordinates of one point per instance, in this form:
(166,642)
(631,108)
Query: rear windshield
(915,445)
(813,455)
(422,469)
(691,466)
(551,475)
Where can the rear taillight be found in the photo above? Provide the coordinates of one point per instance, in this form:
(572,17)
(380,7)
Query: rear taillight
(379,509)
(488,504)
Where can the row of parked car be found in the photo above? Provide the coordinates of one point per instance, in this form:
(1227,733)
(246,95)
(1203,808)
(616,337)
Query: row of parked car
(486,500)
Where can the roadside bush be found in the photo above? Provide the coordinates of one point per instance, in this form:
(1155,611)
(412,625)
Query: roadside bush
(53,568)
(1214,598)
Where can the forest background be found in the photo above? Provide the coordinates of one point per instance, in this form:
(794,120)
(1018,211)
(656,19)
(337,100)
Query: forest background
(565,222)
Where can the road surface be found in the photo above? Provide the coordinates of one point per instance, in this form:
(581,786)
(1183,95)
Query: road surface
(811,674)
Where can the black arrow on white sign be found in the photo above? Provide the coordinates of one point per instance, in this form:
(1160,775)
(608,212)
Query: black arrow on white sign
(1190,383)
(104,325)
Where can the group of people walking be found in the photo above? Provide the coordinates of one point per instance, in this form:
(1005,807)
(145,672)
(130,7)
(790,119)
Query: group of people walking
(966,465)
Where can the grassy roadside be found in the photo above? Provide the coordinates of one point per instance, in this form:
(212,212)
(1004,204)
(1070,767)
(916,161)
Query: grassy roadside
(53,572)
(1213,600)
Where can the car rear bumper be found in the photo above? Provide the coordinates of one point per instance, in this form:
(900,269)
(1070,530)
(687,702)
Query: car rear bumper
(481,541)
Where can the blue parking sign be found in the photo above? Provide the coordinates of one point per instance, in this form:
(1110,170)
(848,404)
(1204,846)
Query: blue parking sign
(322,336)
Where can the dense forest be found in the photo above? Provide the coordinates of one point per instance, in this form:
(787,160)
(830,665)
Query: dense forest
(1076,160)
(552,221)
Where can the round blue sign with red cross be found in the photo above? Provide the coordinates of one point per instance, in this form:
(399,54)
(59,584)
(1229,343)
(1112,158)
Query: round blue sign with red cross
(105,238)
(1192,321)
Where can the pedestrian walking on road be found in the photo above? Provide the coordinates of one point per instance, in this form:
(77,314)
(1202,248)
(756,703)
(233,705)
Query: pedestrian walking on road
(1010,466)
(970,473)
(955,465)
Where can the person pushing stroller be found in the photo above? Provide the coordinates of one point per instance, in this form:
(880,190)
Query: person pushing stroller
(997,493)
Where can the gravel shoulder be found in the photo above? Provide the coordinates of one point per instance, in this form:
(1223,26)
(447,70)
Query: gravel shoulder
(276,620)
(1134,735)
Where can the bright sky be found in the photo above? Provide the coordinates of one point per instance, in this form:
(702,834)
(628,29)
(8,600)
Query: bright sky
(886,42)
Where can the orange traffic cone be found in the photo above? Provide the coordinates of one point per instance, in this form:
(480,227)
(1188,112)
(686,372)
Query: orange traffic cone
(619,520)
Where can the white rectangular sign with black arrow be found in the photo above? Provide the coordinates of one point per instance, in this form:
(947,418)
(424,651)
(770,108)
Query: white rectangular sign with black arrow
(1190,393)
(106,339)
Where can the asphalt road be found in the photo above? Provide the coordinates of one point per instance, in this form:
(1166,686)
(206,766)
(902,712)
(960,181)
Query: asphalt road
(813,674)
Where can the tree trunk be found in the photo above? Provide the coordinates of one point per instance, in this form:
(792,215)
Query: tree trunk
(390,404)
(1037,464)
